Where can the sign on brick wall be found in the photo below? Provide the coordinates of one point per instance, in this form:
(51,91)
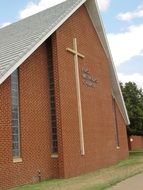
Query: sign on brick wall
(88,79)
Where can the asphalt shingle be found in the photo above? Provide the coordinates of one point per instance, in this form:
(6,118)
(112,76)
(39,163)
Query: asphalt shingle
(17,39)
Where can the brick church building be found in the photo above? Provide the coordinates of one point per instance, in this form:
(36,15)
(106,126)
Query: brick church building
(62,113)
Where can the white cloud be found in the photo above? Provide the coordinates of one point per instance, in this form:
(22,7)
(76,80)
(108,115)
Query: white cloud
(103,4)
(138,13)
(126,45)
(136,77)
(5,24)
(33,8)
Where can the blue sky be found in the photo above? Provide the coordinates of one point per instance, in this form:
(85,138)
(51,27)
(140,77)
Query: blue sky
(123,22)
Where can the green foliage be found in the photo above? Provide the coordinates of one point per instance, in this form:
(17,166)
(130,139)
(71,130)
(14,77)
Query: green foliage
(133,97)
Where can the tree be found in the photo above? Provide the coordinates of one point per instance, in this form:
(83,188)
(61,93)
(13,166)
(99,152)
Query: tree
(133,97)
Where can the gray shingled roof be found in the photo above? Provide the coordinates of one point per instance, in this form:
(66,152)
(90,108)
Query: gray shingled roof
(16,40)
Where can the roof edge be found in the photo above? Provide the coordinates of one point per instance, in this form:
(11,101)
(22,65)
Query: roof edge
(92,7)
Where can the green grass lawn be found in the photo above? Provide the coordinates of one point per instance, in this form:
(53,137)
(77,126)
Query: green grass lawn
(99,180)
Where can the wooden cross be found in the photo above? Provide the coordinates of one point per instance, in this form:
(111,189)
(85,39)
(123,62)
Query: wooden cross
(76,54)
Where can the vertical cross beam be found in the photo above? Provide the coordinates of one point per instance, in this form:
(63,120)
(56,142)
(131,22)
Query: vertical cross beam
(76,54)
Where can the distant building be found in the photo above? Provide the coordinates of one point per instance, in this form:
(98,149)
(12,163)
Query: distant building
(135,142)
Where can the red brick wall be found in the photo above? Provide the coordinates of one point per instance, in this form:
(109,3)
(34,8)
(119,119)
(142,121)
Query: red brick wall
(136,142)
(123,141)
(98,123)
(5,131)
(34,125)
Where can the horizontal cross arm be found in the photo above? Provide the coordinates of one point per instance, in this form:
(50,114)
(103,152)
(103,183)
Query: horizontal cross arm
(71,50)
(80,55)
(74,52)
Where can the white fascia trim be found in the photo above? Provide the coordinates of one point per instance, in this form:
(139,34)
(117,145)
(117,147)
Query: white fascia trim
(125,115)
(92,8)
(10,71)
